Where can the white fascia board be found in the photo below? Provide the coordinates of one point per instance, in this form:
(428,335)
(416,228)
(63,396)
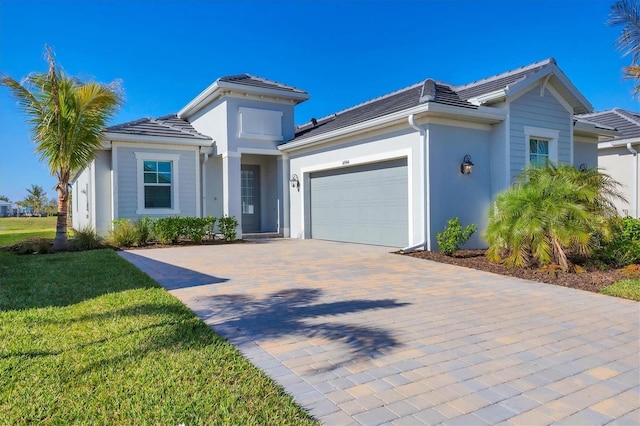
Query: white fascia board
(618,143)
(590,129)
(490,97)
(219,88)
(485,115)
(524,84)
(121,137)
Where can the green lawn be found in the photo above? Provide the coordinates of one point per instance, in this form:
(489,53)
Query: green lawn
(15,229)
(629,289)
(86,337)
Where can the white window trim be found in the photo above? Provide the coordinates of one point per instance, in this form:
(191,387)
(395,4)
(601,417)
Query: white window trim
(141,157)
(243,133)
(545,134)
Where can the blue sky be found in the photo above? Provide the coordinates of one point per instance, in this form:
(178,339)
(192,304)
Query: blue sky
(342,53)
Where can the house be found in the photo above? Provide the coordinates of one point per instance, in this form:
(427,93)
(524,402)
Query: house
(618,156)
(389,171)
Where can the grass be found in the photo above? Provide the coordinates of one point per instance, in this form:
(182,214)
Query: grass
(86,337)
(629,289)
(16,229)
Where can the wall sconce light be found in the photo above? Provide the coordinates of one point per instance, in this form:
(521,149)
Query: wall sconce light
(467,166)
(295,182)
(582,167)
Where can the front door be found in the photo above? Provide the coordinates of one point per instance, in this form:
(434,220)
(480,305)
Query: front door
(250,198)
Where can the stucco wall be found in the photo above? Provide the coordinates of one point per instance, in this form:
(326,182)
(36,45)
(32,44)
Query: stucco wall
(80,200)
(585,153)
(618,163)
(103,208)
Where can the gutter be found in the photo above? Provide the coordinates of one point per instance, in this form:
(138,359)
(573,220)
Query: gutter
(424,186)
(635,180)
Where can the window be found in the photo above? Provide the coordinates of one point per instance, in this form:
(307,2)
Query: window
(538,152)
(541,146)
(157,183)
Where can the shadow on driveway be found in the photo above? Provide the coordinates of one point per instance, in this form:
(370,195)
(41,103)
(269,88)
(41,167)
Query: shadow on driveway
(170,276)
(244,319)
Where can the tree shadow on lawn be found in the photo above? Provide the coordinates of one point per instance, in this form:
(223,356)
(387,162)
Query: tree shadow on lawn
(243,319)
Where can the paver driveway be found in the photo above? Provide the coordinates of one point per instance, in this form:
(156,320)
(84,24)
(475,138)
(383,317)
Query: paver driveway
(361,336)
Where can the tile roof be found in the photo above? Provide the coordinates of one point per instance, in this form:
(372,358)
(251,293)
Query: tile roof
(626,122)
(168,126)
(252,80)
(500,81)
(426,91)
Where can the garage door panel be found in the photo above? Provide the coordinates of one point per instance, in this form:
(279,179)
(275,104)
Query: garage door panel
(363,204)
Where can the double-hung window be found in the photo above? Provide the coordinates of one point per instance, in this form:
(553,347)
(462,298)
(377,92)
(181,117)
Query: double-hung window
(157,183)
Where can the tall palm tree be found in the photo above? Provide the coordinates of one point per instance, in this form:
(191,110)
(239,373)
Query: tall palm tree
(550,212)
(36,198)
(626,13)
(67,118)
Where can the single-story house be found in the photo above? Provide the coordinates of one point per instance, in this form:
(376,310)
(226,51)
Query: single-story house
(618,156)
(388,171)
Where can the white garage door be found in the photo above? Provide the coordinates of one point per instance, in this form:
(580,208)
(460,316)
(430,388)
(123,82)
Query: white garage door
(362,204)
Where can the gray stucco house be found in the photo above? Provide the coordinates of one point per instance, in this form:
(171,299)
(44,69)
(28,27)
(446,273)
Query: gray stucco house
(387,171)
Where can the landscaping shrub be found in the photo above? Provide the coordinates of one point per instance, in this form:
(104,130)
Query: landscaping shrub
(196,228)
(34,245)
(227,226)
(454,236)
(143,230)
(86,238)
(124,233)
(624,247)
(168,229)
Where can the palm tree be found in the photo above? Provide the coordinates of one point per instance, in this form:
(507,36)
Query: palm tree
(550,212)
(36,199)
(626,13)
(4,198)
(67,118)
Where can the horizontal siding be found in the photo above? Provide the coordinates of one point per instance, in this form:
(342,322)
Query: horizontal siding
(128,180)
(545,112)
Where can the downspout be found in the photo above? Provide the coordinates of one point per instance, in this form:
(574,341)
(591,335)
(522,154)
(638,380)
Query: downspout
(424,187)
(635,180)
(205,157)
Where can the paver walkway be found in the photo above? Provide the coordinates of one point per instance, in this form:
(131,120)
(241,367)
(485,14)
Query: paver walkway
(361,336)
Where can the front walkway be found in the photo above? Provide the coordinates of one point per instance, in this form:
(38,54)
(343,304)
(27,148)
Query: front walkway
(360,336)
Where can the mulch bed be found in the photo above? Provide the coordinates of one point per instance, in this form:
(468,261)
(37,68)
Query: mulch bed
(593,279)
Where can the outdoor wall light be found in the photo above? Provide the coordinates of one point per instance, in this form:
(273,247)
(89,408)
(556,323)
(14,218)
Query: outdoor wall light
(582,167)
(295,182)
(466,166)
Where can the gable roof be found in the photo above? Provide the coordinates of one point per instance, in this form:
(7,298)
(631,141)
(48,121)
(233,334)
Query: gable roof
(168,126)
(625,122)
(243,83)
(469,96)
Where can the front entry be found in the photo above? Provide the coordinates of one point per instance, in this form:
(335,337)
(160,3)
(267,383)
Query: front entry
(250,198)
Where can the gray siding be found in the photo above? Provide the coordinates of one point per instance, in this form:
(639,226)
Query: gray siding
(128,180)
(452,193)
(534,110)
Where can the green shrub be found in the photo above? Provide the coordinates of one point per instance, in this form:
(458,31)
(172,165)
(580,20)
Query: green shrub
(86,238)
(195,228)
(227,226)
(124,233)
(168,229)
(143,230)
(34,245)
(454,236)
(624,247)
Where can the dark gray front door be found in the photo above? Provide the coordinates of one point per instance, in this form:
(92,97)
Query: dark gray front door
(362,204)
(250,198)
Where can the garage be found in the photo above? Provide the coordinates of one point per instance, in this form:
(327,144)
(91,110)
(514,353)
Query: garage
(361,204)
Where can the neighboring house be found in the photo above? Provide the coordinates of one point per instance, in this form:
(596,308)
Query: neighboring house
(618,156)
(387,171)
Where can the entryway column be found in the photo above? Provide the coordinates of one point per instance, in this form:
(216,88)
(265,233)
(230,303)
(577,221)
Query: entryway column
(231,187)
(283,195)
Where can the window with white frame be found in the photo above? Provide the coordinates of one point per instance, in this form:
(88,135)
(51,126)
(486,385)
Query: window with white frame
(541,146)
(157,183)
(538,152)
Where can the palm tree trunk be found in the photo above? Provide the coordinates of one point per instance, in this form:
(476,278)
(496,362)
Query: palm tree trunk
(61,242)
(560,255)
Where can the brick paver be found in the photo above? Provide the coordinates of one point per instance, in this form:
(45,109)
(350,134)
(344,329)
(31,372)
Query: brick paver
(358,335)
